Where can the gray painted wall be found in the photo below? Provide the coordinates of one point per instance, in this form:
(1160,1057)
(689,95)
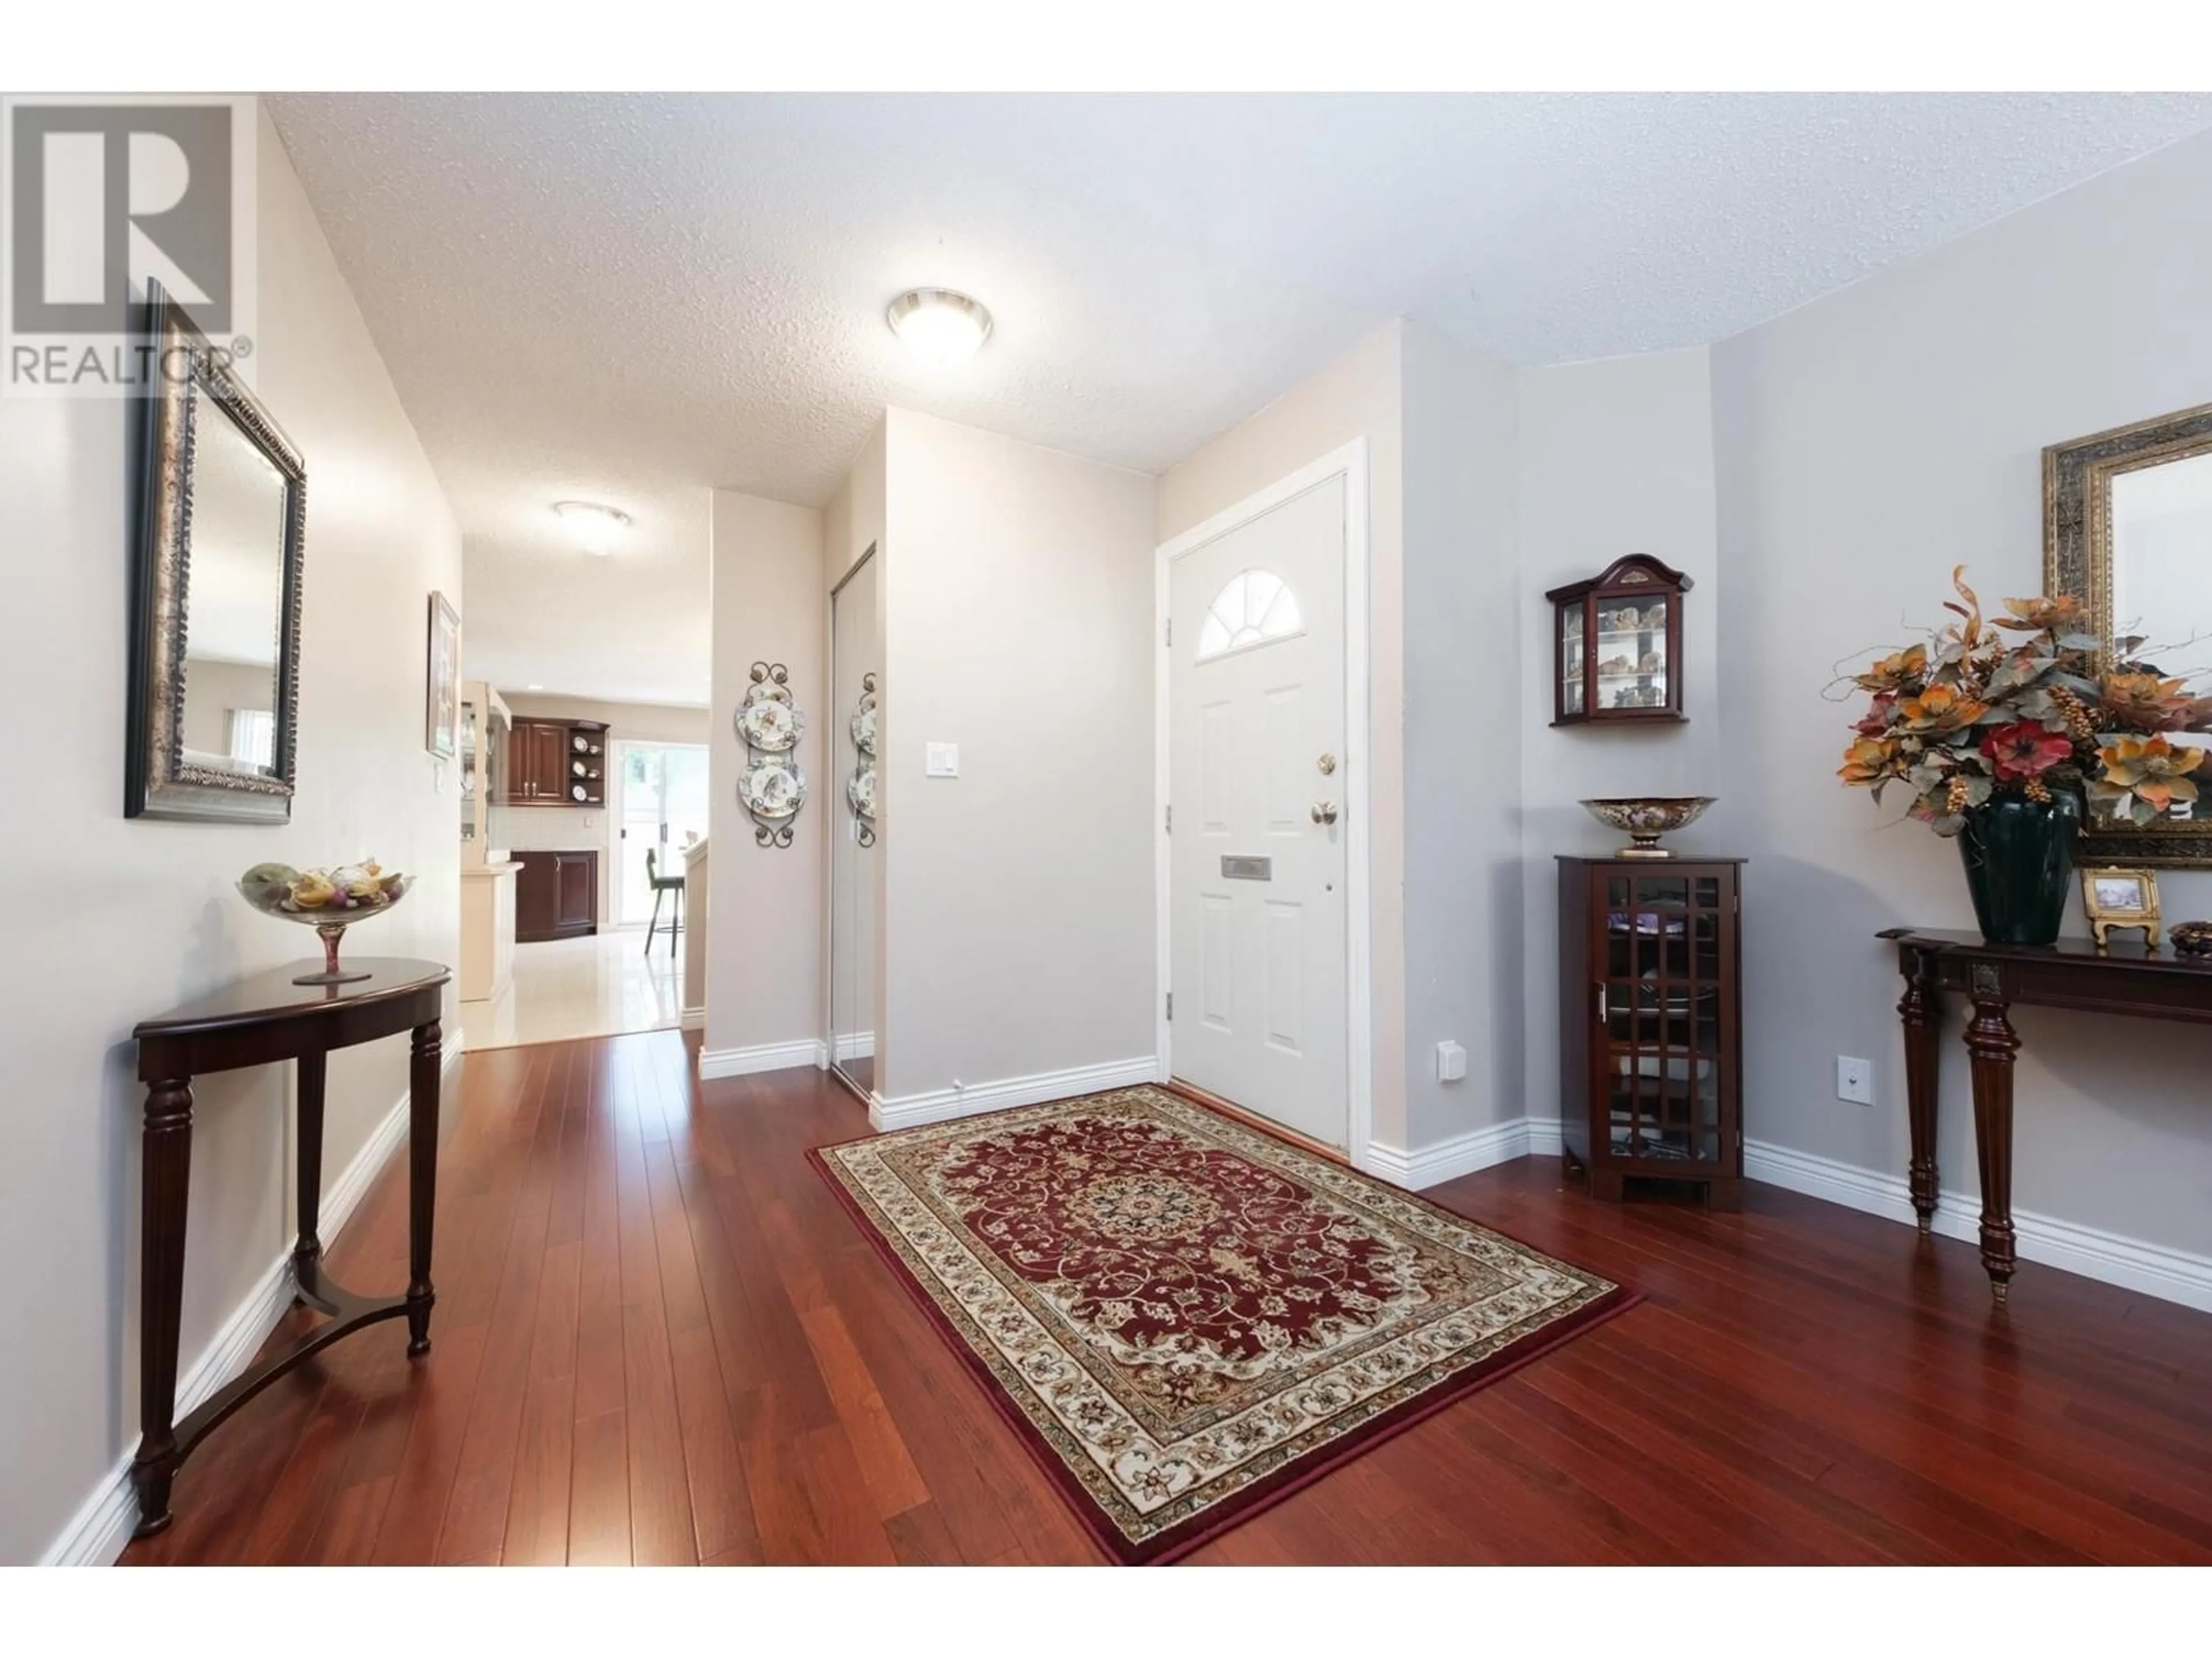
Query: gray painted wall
(1463,742)
(1864,444)
(1616,458)
(1017,597)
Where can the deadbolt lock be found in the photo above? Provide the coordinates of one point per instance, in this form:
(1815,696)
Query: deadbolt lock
(1324,811)
(1328,764)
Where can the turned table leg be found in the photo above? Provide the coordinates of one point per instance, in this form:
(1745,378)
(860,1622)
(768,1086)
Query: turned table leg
(422,1068)
(1991,1042)
(1922,1011)
(308,1251)
(164,1184)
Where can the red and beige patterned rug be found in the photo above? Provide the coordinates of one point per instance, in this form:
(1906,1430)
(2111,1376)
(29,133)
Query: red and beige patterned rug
(1185,1319)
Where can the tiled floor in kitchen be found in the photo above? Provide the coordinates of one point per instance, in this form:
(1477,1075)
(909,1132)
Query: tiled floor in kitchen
(600,986)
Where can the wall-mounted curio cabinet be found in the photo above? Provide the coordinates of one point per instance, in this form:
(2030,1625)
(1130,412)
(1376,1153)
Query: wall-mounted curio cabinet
(1617,644)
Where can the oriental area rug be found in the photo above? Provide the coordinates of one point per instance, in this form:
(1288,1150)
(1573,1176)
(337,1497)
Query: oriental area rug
(1186,1318)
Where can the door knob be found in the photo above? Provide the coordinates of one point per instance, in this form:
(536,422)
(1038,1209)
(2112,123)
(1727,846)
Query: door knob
(1324,811)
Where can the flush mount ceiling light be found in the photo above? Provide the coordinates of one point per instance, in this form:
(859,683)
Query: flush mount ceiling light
(596,528)
(939,325)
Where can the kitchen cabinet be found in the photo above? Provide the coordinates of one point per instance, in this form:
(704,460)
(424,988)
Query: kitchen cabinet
(557,764)
(557,896)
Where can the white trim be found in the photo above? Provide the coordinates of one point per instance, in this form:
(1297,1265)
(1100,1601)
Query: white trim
(907,1111)
(762,1057)
(101,1529)
(1479,1149)
(1351,463)
(854,1045)
(692,1019)
(2110,1258)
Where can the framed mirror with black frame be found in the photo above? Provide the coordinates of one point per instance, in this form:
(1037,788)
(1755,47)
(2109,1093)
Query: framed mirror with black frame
(215,594)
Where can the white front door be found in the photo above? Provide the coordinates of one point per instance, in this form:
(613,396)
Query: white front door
(1257,906)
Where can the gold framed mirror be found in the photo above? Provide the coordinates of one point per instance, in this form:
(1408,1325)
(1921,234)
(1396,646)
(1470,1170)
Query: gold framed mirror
(2127,529)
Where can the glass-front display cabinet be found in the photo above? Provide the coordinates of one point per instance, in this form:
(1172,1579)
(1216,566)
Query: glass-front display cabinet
(1650,1018)
(1618,644)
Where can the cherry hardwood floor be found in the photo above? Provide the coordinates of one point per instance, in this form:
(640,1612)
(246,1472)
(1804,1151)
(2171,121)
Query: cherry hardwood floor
(658,1338)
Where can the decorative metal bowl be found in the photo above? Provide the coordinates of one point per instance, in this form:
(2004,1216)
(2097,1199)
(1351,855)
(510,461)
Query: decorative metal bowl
(330,900)
(1647,817)
(2192,939)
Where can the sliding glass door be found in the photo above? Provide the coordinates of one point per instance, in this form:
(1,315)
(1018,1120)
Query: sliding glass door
(661,808)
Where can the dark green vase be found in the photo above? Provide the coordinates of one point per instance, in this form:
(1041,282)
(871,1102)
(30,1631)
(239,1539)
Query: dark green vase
(2019,856)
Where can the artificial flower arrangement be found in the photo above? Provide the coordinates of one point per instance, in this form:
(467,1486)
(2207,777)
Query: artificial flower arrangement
(2019,709)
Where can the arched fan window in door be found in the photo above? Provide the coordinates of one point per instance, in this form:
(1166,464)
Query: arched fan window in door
(1254,608)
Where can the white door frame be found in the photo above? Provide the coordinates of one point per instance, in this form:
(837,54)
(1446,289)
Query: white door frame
(1349,463)
(618,772)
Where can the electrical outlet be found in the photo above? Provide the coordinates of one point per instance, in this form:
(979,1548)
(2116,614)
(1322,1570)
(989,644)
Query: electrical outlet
(1452,1062)
(1854,1080)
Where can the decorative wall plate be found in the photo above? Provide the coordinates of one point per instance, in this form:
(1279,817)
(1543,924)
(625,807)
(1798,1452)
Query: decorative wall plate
(864,722)
(772,789)
(581,743)
(577,792)
(861,792)
(770,726)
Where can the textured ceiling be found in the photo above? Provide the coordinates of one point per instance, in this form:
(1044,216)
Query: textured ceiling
(626,298)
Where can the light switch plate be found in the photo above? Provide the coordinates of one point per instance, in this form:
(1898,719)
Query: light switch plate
(1854,1080)
(943,761)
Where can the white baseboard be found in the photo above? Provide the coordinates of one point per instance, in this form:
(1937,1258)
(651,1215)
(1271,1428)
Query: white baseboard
(692,1019)
(854,1045)
(102,1527)
(907,1111)
(2110,1258)
(762,1057)
(1479,1149)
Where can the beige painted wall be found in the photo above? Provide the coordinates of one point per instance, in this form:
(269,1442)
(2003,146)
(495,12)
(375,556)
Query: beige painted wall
(1017,590)
(1358,395)
(569,829)
(764,952)
(110,921)
(1865,444)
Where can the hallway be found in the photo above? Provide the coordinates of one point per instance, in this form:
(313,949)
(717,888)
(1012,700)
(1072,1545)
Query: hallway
(659,1340)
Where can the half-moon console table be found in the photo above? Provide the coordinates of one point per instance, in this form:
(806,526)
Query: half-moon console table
(256,1022)
(2127,979)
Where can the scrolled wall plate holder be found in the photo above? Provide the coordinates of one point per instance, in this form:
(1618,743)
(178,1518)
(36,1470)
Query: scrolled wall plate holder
(768,723)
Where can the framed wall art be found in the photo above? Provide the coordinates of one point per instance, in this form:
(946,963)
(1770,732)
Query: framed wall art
(442,690)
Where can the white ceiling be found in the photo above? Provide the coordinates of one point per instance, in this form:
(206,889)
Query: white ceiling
(626,298)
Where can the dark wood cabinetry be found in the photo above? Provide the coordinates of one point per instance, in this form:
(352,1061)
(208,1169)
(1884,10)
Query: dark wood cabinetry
(557,764)
(1617,644)
(557,896)
(1651,1021)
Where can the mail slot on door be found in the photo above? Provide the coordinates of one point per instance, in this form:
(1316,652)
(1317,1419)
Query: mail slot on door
(1242,869)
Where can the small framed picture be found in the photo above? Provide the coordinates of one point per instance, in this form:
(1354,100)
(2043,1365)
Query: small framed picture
(441,697)
(2115,898)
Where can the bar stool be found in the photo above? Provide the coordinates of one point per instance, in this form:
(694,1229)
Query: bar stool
(661,885)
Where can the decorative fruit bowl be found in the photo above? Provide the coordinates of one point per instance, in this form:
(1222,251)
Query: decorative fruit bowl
(1647,817)
(330,900)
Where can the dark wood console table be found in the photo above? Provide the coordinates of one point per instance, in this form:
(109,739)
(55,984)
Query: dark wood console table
(256,1022)
(2128,979)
